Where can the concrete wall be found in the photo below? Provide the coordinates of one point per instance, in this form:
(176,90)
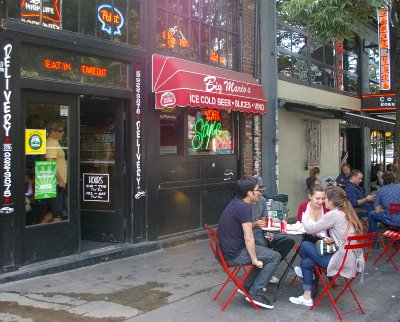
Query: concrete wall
(292,154)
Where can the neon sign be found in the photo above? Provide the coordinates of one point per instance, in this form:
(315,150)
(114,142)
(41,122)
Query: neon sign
(31,10)
(110,16)
(384,49)
(51,64)
(171,39)
(205,129)
(215,58)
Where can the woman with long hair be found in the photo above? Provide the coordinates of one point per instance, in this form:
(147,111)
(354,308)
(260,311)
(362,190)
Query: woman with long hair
(312,179)
(341,221)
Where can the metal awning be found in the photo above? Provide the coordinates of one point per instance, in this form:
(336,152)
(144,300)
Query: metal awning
(370,122)
(179,82)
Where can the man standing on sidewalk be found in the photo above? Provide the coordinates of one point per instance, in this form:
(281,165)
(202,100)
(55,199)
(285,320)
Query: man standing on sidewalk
(236,239)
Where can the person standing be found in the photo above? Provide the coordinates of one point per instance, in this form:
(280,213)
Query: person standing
(236,240)
(344,176)
(57,206)
(281,243)
(389,193)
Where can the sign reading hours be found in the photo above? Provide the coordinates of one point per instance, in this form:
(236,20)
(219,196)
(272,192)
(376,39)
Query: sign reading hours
(96,187)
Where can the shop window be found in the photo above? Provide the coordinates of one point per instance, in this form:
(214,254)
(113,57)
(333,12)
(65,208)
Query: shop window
(209,131)
(195,131)
(46,176)
(114,20)
(205,29)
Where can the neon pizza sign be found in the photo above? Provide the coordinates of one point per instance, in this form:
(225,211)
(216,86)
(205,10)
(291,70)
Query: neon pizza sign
(205,129)
(110,18)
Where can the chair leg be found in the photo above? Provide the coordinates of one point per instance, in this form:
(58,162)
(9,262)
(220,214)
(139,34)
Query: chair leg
(386,251)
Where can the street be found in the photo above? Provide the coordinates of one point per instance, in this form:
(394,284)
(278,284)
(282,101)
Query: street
(178,284)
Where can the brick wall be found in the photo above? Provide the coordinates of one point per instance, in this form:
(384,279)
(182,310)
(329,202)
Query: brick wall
(252,136)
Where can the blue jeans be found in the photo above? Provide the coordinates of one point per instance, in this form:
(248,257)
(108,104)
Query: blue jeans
(373,219)
(310,258)
(259,277)
(282,243)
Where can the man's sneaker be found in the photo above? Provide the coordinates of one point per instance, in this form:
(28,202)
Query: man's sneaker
(246,288)
(301,300)
(298,271)
(260,300)
(274,280)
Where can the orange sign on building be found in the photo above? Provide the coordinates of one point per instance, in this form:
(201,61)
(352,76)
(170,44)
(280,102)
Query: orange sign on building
(384,49)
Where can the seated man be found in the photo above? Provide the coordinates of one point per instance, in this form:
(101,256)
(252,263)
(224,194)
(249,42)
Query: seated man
(236,239)
(389,193)
(283,244)
(356,194)
(344,176)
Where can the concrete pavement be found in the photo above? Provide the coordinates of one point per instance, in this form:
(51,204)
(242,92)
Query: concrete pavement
(177,284)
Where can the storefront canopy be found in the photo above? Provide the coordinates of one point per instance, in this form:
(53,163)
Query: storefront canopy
(178,82)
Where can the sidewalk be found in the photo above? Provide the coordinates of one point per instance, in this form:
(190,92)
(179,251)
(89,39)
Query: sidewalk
(176,284)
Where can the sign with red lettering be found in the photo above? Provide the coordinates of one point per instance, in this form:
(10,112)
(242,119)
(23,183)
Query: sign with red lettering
(384,49)
(379,102)
(95,71)
(42,12)
(174,37)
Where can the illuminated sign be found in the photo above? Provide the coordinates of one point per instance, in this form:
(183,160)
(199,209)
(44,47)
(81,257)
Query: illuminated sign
(110,18)
(340,66)
(384,49)
(65,66)
(41,12)
(379,102)
(215,58)
(6,155)
(174,37)
(208,134)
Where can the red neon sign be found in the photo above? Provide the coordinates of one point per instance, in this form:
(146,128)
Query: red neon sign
(213,115)
(29,8)
(384,49)
(214,57)
(57,65)
(171,39)
(94,71)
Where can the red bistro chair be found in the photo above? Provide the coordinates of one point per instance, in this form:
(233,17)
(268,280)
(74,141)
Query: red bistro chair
(392,234)
(353,243)
(231,271)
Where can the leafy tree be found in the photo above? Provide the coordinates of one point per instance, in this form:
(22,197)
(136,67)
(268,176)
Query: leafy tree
(334,20)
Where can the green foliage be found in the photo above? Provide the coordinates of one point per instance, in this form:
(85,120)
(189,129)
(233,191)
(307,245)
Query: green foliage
(330,20)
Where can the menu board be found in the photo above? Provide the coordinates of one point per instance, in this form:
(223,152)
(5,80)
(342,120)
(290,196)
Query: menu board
(96,187)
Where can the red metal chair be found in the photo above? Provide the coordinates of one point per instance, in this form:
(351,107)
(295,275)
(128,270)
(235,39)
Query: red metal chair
(392,234)
(233,272)
(354,243)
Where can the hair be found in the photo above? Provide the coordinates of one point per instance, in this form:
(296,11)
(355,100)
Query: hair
(388,177)
(345,165)
(315,188)
(314,171)
(54,125)
(337,195)
(389,167)
(354,173)
(244,185)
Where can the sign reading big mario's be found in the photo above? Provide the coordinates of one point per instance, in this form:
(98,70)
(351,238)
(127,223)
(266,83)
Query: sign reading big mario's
(178,82)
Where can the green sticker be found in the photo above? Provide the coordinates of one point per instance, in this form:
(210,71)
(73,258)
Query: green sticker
(45,179)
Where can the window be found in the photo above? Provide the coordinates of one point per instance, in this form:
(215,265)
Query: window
(46,161)
(204,131)
(373,70)
(201,30)
(114,20)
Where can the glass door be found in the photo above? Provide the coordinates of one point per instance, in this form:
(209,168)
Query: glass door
(101,170)
(51,225)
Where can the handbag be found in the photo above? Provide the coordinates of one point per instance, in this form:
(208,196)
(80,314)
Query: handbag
(324,248)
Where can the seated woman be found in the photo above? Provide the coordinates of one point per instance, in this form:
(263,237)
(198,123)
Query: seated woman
(341,219)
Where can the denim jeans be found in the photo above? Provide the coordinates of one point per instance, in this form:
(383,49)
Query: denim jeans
(373,219)
(282,243)
(309,258)
(259,277)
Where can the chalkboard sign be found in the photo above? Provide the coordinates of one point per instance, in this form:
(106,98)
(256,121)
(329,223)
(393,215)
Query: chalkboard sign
(96,187)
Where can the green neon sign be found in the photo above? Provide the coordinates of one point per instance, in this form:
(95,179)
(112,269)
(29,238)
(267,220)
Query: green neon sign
(204,130)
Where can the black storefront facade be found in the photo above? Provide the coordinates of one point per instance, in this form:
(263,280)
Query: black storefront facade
(134,173)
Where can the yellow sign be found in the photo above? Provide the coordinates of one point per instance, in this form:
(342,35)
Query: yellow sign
(35,141)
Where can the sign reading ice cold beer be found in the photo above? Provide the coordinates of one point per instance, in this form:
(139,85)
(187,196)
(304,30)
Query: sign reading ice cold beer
(96,187)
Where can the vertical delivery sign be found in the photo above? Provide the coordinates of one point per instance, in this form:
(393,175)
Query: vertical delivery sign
(6,145)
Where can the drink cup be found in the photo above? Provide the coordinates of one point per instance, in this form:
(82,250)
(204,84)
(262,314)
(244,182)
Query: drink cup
(269,222)
(283,226)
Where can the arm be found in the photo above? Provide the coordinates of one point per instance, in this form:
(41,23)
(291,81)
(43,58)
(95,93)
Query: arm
(60,180)
(250,244)
(327,221)
(378,209)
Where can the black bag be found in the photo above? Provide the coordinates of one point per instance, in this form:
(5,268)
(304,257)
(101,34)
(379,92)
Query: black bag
(59,204)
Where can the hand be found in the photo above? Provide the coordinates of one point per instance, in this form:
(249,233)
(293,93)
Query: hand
(270,236)
(258,264)
(370,198)
(328,240)
(260,223)
(305,216)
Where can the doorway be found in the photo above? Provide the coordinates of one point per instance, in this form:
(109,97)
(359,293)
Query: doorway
(102,168)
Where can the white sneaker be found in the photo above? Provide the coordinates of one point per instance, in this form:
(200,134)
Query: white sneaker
(301,300)
(298,271)
(274,280)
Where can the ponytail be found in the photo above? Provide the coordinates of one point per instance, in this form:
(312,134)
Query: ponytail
(352,217)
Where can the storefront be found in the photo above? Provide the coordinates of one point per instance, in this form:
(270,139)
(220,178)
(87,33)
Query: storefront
(106,142)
